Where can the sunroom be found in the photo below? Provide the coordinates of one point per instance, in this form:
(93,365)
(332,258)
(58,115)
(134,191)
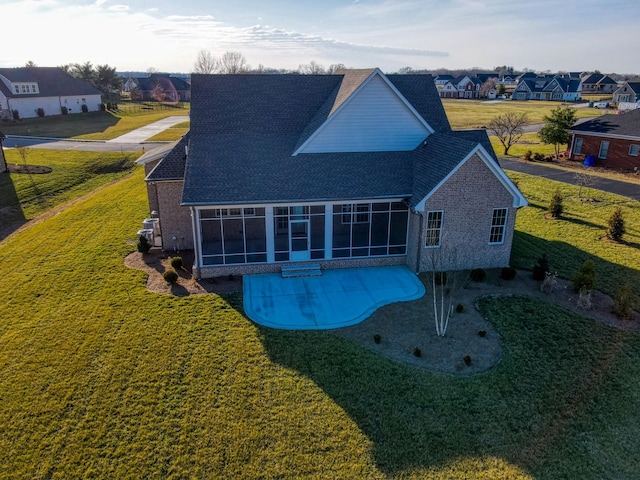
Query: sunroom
(298,232)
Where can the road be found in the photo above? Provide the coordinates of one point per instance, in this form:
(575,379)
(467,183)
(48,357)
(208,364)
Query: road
(631,190)
(131,142)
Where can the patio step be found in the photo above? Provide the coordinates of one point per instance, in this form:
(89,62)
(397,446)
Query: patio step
(305,270)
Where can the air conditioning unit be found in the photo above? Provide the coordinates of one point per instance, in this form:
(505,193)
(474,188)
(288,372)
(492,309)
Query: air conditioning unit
(147,233)
(153,224)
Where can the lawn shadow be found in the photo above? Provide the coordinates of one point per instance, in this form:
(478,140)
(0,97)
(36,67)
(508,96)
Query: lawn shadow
(10,209)
(528,411)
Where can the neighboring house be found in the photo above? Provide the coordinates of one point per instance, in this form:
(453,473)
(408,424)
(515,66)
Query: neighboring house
(26,90)
(167,87)
(614,141)
(553,88)
(628,92)
(463,86)
(598,83)
(352,169)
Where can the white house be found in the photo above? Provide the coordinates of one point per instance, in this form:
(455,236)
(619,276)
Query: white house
(37,91)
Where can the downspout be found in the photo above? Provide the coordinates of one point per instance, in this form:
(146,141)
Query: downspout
(419,246)
(196,245)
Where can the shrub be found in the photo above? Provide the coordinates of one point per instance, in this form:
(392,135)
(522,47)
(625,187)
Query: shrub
(176,263)
(508,273)
(40,112)
(467,360)
(170,276)
(528,155)
(376,338)
(477,274)
(459,308)
(616,228)
(64,110)
(84,108)
(482,333)
(143,244)
(15,114)
(541,268)
(538,157)
(549,283)
(417,352)
(103,107)
(585,279)
(555,207)
(623,303)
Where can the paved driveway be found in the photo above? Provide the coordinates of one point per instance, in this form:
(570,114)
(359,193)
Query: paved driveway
(338,298)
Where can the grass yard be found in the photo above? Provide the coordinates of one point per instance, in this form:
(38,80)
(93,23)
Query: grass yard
(100,378)
(89,126)
(528,141)
(465,114)
(73,173)
(170,134)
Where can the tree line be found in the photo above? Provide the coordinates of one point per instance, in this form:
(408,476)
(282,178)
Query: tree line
(103,77)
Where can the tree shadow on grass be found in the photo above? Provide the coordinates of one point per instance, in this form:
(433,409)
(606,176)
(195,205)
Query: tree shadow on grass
(530,411)
(11,211)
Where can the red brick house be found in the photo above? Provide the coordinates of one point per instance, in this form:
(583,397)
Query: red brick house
(613,140)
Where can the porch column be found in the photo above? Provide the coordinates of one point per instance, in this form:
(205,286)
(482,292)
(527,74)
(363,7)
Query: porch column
(268,218)
(328,231)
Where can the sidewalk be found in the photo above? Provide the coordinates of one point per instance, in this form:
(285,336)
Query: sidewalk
(139,135)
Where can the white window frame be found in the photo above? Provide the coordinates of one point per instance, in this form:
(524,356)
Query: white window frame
(355,213)
(434,227)
(634,149)
(604,149)
(577,147)
(498,226)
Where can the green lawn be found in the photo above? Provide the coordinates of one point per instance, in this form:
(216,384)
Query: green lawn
(464,114)
(100,378)
(73,173)
(89,126)
(528,141)
(170,134)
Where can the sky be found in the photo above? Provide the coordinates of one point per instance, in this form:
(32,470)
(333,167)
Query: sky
(166,35)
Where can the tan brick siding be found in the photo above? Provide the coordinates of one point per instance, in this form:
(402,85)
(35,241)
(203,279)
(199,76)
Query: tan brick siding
(467,200)
(175,220)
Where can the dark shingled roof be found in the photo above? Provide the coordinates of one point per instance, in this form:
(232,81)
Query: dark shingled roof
(52,82)
(149,83)
(245,128)
(626,124)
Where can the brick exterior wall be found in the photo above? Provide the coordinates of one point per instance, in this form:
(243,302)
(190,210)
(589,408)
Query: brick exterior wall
(152,194)
(467,200)
(617,157)
(175,220)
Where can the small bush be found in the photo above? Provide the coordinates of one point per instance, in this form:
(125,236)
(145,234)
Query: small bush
(170,276)
(143,244)
(584,299)
(376,338)
(555,207)
(84,108)
(176,263)
(482,333)
(103,107)
(459,308)
(538,157)
(40,112)
(417,352)
(616,228)
(549,283)
(623,303)
(541,268)
(477,274)
(467,360)
(64,110)
(528,155)
(15,114)
(585,279)
(508,273)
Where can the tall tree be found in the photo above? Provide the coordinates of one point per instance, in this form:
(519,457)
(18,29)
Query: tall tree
(508,127)
(206,62)
(311,68)
(334,67)
(84,71)
(486,87)
(107,80)
(30,64)
(556,127)
(233,62)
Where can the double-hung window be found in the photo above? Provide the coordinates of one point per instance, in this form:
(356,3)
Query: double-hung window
(498,226)
(434,229)
(577,147)
(604,148)
(634,150)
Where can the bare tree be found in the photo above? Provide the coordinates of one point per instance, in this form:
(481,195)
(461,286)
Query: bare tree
(205,63)
(334,67)
(233,62)
(508,128)
(583,179)
(152,70)
(486,87)
(311,68)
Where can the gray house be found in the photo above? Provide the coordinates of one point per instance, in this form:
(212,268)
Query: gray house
(352,169)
